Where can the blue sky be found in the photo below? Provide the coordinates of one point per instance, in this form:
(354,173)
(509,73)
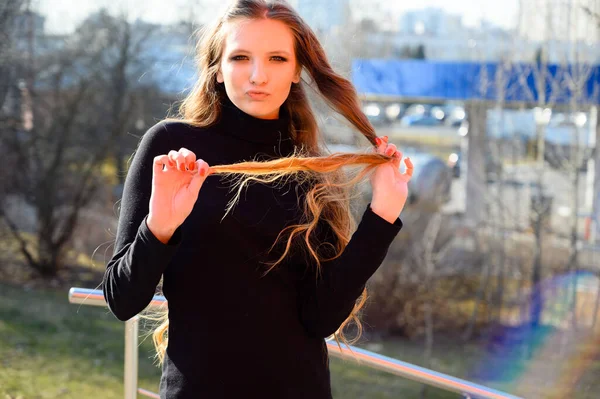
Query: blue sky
(63,15)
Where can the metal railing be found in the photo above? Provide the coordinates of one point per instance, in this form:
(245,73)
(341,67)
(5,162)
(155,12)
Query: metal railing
(468,389)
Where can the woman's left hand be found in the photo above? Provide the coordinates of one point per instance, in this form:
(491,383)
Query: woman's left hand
(390,186)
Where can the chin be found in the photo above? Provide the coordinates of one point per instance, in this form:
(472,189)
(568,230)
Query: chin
(261,110)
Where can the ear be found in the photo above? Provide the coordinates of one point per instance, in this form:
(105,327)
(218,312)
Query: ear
(220,77)
(298,75)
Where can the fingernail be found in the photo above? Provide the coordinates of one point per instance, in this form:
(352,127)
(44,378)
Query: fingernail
(192,166)
(377,140)
(202,172)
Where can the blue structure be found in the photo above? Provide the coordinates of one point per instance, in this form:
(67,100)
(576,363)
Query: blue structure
(442,81)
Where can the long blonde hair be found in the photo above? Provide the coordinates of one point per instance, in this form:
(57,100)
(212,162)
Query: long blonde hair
(329,198)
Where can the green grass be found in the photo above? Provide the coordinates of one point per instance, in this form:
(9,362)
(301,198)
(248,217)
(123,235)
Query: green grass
(350,380)
(52,349)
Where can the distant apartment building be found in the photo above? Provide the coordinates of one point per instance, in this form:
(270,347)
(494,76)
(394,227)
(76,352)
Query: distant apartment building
(444,37)
(568,31)
(432,22)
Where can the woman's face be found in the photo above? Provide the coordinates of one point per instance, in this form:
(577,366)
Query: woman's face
(258,66)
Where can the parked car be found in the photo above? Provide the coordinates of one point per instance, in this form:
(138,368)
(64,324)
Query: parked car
(375,113)
(493,167)
(432,179)
(423,115)
(420,120)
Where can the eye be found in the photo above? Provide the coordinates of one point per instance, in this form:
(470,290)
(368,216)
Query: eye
(279,58)
(238,58)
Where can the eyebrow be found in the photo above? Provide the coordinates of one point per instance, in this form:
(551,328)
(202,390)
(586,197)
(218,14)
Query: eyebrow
(270,52)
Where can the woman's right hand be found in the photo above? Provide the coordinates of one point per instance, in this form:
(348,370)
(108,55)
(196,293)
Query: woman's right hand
(176,181)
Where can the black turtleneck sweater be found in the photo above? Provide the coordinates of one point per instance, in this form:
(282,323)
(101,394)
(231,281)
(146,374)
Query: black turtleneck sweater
(232,332)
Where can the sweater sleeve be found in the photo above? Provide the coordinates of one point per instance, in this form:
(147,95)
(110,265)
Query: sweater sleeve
(139,258)
(326,301)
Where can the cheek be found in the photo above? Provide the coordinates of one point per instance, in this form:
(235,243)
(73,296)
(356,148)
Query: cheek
(232,74)
(283,91)
(285,81)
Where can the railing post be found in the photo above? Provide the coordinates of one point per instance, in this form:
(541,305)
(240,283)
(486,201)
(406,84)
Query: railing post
(131,358)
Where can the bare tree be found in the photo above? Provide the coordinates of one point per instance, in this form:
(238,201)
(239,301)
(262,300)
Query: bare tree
(560,70)
(81,101)
(9,12)
(10,64)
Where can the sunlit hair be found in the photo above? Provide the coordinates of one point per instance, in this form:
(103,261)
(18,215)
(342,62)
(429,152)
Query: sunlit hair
(328,200)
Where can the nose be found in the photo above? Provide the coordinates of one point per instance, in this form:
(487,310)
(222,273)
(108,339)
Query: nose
(259,73)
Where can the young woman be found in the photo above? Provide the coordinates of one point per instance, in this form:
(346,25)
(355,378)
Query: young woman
(255,279)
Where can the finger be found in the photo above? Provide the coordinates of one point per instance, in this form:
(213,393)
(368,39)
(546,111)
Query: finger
(173,158)
(380,149)
(201,166)
(407,175)
(159,162)
(199,177)
(390,150)
(178,158)
(189,158)
(397,158)
(409,166)
(384,143)
(168,162)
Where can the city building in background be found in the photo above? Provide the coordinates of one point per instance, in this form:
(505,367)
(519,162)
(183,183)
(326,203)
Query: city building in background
(431,22)
(572,20)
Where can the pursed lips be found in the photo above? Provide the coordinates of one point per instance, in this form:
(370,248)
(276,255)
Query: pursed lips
(256,94)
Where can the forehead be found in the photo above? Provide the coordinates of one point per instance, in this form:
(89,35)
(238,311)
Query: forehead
(258,35)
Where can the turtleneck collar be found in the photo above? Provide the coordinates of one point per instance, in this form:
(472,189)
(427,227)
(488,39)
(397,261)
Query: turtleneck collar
(243,126)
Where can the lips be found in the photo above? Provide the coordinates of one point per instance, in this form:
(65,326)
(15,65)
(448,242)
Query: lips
(257,95)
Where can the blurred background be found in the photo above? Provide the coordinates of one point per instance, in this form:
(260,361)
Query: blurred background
(495,276)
